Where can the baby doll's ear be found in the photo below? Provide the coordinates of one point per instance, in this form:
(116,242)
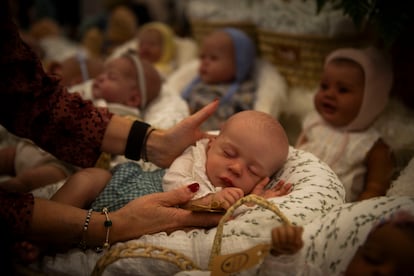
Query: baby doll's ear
(212,139)
(134,99)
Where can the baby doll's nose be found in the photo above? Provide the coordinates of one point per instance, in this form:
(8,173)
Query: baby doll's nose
(330,92)
(236,168)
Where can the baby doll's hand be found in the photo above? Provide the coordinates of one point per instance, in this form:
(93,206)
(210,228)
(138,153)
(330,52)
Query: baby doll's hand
(217,202)
(286,239)
(227,197)
(280,189)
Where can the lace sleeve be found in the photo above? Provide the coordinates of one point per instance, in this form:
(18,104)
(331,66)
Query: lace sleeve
(34,105)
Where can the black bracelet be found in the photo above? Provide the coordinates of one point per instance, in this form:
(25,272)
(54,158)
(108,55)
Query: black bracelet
(135,140)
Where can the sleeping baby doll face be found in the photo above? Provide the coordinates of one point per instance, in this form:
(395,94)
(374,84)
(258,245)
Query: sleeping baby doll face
(388,250)
(118,83)
(341,92)
(121,83)
(217,59)
(251,146)
(150,45)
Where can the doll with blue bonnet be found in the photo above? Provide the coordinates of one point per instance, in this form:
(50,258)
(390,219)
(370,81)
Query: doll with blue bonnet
(227,58)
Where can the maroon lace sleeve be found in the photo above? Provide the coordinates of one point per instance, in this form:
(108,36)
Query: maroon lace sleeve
(16,211)
(34,105)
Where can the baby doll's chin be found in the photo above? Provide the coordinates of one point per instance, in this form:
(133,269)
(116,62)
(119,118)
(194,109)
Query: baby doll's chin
(333,121)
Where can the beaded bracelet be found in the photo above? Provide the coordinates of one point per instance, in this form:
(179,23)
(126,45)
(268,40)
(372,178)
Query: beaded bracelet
(107,224)
(82,244)
(144,144)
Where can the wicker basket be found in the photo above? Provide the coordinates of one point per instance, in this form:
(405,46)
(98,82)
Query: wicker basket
(300,58)
(201,28)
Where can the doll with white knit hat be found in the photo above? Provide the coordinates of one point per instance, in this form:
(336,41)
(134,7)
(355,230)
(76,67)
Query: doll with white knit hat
(227,58)
(354,90)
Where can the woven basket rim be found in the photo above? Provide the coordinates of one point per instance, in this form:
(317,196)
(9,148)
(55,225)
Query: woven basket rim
(223,22)
(264,32)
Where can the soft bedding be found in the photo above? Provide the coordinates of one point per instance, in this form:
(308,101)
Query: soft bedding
(316,190)
(331,240)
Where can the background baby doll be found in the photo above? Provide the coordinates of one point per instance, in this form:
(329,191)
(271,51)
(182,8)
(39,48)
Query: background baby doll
(126,86)
(156,44)
(382,247)
(227,59)
(354,90)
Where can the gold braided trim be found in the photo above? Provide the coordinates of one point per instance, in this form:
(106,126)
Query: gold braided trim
(215,251)
(132,249)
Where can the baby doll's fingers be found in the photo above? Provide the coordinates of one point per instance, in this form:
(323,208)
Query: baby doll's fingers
(259,189)
(285,189)
(228,196)
(279,184)
(232,196)
(298,234)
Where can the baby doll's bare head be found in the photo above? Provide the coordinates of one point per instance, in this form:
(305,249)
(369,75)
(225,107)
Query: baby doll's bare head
(251,146)
(260,128)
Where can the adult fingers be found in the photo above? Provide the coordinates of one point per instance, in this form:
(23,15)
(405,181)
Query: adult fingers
(200,116)
(186,218)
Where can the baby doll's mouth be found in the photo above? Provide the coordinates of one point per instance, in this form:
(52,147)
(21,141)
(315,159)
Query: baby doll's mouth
(227,181)
(328,108)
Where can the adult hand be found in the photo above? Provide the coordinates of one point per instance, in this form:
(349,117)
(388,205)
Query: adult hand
(163,146)
(158,212)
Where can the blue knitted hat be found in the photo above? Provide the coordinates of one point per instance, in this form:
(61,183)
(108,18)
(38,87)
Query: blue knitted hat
(245,55)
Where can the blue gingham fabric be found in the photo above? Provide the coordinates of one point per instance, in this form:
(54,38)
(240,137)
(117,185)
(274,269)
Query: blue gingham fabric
(128,182)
